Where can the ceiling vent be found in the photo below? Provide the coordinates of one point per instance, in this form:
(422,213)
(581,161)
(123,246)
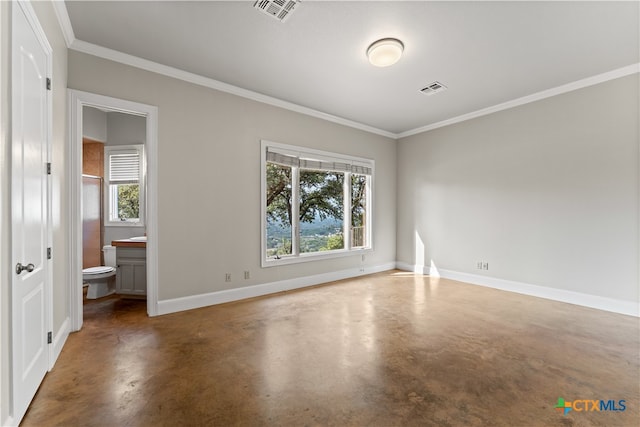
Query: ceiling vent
(433,88)
(279,9)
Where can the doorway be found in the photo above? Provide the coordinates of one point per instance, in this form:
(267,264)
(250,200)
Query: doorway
(78,100)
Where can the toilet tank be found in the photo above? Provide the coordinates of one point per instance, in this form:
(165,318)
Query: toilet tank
(109,255)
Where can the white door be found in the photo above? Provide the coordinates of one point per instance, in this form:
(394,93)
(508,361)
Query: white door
(29,200)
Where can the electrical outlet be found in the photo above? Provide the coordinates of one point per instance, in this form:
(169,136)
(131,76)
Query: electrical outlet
(247,275)
(485,265)
(479,265)
(227,277)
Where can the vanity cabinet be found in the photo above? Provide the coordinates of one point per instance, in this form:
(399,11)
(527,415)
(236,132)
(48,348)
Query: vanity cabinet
(131,272)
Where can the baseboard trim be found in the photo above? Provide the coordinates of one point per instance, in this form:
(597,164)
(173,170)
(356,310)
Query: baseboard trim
(419,269)
(59,340)
(8,422)
(577,298)
(229,295)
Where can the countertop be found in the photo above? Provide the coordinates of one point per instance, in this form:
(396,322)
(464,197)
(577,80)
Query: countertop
(135,242)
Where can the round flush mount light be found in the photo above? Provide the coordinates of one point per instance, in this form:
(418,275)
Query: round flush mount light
(385,52)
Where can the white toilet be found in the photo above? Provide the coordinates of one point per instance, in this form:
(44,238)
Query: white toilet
(101,280)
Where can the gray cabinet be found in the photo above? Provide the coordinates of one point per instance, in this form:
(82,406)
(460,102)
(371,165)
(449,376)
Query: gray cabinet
(131,273)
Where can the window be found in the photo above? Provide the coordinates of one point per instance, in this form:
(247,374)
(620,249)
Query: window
(124,185)
(315,204)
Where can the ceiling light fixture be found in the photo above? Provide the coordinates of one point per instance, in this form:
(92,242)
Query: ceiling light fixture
(385,52)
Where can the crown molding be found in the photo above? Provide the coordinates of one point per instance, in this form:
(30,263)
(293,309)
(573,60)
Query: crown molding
(134,61)
(144,64)
(62,15)
(559,90)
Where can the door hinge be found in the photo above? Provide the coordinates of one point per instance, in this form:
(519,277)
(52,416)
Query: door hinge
(49,339)
(48,168)
(48,253)
(48,83)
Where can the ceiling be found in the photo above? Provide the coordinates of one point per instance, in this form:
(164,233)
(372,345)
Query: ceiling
(486,53)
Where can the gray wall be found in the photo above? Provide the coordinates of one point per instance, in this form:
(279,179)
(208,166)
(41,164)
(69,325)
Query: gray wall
(546,193)
(125,129)
(209,176)
(94,124)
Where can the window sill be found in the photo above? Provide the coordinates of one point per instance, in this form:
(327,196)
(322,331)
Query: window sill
(316,256)
(124,224)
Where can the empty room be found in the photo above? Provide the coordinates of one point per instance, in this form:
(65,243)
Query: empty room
(320,213)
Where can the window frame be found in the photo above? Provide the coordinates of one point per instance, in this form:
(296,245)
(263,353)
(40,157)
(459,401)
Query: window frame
(297,256)
(108,199)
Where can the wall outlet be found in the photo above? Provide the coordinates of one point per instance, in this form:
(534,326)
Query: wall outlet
(247,275)
(479,265)
(227,277)
(485,265)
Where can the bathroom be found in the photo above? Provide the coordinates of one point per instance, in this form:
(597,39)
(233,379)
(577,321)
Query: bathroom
(113,205)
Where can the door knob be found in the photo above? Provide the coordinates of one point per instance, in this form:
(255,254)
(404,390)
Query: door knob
(20,268)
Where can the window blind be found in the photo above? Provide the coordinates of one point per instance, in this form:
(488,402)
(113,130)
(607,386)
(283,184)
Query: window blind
(124,167)
(310,162)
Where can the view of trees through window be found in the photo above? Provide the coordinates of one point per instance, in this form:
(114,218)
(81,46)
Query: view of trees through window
(126,201)
(358,211)
(278,210)
(320,210)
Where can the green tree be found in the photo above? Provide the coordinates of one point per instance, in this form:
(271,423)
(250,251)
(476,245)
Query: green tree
(321,194)
(358,200)
(128,201)
(335,241)
(278,194)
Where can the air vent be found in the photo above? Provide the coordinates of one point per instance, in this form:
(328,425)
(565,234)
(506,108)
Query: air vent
(433,88)
(279,9)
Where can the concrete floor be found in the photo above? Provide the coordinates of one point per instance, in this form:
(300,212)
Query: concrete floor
(391,349)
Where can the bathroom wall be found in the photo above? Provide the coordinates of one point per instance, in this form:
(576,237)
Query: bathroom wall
(94,134)
(94,124)
(92,158)
(209,177)
(124,129)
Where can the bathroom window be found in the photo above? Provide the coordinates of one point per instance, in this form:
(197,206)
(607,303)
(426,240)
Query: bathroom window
(315,204)
(124,182)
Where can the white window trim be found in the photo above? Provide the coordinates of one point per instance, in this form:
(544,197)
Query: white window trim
(313,256)
(107,191)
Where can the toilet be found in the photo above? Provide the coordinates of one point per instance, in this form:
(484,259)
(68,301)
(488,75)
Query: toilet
(101,280)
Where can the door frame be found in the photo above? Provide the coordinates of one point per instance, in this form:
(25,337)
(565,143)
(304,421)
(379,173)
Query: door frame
(78,100)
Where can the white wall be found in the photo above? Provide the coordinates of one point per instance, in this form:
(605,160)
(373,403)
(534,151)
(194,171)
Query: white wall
(209,176)
(94,124)
(49,23)
(546,193)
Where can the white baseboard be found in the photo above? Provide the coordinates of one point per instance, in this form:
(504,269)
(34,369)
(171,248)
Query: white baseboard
(59,340)
(593,301)
(204,300)
(420,269)
(8,422)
